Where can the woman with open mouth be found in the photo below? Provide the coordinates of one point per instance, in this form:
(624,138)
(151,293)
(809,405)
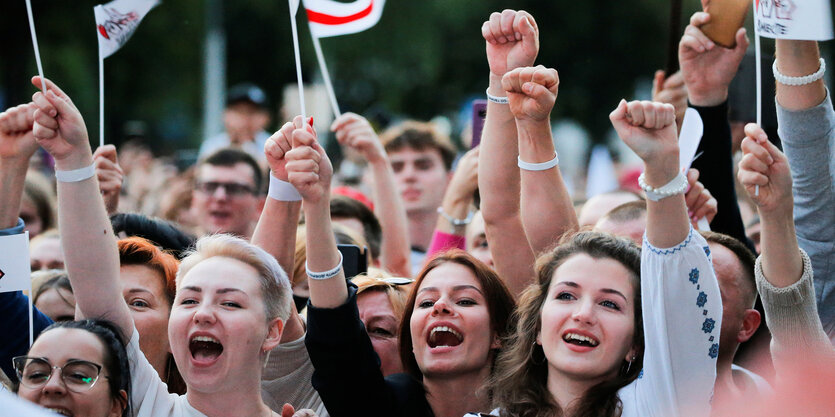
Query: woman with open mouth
(220,330)
(454,320)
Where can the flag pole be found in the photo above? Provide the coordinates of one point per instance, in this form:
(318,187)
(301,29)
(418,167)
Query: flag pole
(298,59)
(759,70)
(101,98)
(31,316)
(35,44)
(326,75)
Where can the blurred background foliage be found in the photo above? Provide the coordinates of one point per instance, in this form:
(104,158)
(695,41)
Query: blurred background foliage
(424,58)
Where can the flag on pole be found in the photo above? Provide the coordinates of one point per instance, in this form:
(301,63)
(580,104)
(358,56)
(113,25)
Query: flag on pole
(333,18)
(116,21)
(809,20)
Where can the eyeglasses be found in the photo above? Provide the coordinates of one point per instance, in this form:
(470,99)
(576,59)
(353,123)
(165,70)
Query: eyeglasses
(78,376)
(397,280)
(232,189)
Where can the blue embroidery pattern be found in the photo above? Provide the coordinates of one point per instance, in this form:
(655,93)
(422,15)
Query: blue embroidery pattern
(701,300)
(714,351)
(694,275)
(669,251)
(641,374)
(708,325)
(707,251)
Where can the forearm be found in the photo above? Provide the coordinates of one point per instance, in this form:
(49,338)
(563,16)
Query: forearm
(388,207)
(276,231)
(667,221)
(781,261)
(499,185)
(90,251)
(796,59)
(716,170)
(12,178)
(322,255)
(543,191)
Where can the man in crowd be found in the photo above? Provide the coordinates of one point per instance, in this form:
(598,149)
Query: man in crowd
(245,118)
(421,158)
(227,194)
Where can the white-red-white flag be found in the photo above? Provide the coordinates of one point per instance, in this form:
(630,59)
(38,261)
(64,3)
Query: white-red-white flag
(809,20)
(333,18)
(116,21)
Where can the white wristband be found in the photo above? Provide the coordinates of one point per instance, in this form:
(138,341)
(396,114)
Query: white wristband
(796,81)
(456,222)
(542,166)
(76,175)
(496,99)
(677,186)
(324,275)
(282,190)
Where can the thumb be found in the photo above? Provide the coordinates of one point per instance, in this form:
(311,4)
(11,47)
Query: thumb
(619,114)
(526,28)
(658,82)
(287,410)
(741,40)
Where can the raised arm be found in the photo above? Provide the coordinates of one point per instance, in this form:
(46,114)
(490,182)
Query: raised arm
(784,278)
(355,132)
(91,255)
(17,145)
(708,70)
(276,228)
(310,171)
(532,92)
(806,124)
(512,42)
(649,130)
(456,205)
(110,176)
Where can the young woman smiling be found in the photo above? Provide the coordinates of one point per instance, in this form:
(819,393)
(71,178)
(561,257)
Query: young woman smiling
(219,330)
(454,319)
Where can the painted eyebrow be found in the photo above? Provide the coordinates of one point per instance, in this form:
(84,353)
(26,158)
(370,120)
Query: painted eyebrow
(603,290)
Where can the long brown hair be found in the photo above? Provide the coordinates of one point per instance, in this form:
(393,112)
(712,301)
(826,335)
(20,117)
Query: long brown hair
(500,302)
(520,382)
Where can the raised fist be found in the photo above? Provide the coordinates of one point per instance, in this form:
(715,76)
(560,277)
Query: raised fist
(277,146)
(764,166)
(512,40)
(16,139)
(354,131)
(59,128)
(308,167)
(531,92)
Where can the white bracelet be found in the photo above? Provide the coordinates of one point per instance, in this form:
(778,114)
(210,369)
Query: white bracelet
(282,190)
(496,99)
(795,81)
(324,275)
(76,175)
(542,166)
(677,186)
(456,222)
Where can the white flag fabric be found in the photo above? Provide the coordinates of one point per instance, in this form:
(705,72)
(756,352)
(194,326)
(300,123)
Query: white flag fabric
(333,18)
(116,21)
(809,20)
(15,272)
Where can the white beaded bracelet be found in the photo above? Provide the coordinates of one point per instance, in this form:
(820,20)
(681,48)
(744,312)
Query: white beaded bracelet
(456,222)
(282,190)
(542,166)
(319,276)
(677,186)
(796,81)
(76,175)
(496,99)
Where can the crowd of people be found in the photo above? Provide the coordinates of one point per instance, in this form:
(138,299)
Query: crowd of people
(452,285)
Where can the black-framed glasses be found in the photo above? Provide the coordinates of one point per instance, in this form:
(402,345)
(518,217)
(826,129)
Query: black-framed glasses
(232,189)
(79,376)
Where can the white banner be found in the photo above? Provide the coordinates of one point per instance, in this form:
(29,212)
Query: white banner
(333,18)
(14,263)
(809,20)
(116,21)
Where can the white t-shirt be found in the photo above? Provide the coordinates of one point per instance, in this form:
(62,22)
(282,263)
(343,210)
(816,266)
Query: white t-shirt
(149,395)
(682,311)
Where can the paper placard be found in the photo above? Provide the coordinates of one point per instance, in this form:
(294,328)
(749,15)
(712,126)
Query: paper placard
(809,20)
(15,272)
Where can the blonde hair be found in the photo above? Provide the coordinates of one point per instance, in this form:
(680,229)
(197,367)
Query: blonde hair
(374,280)
(275,286)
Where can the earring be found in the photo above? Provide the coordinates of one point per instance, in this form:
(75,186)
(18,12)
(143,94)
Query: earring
(267,359)
(629,366)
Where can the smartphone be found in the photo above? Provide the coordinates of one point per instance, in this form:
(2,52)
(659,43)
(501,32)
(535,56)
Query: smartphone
(726,17)
(479,114)
(354,260)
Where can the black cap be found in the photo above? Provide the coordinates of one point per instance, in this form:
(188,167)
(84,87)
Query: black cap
(247,92)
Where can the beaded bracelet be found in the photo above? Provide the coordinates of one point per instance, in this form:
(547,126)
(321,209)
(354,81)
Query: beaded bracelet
(677,186)
(797,81)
